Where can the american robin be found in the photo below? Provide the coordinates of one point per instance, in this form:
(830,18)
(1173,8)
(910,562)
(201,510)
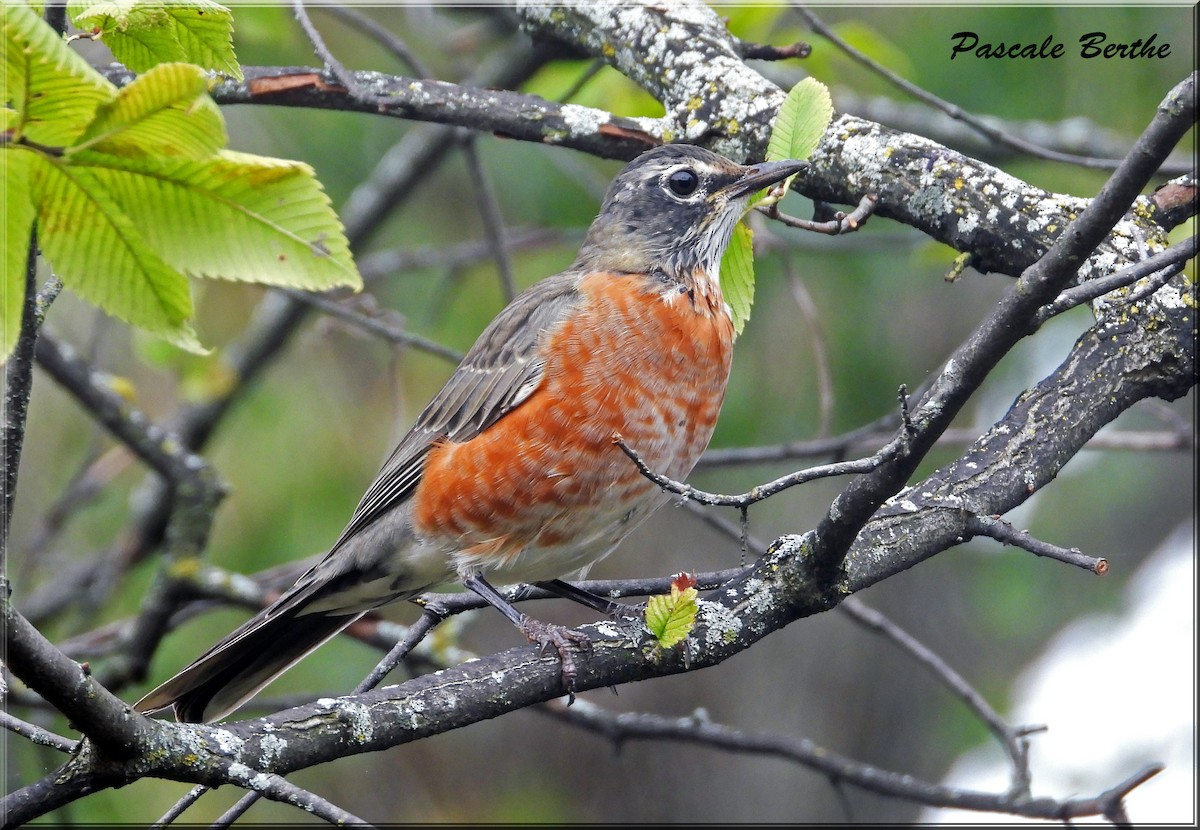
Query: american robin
(512,469)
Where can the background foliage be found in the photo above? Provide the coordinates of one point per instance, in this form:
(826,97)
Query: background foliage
(300,447)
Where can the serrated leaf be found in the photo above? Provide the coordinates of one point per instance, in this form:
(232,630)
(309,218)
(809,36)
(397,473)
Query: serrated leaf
(101,254)
(737,275)
(165,112)
(274,222)
(801,121)
(144,33)
(206,31)
(139,35)
(671,617)
(51,88)
(132,192)
(18,223)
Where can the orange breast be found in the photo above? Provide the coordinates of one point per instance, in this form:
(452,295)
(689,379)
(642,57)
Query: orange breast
(636,358)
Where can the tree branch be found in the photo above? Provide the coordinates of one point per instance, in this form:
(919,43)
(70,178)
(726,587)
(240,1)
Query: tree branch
(1014,318)
(634,726)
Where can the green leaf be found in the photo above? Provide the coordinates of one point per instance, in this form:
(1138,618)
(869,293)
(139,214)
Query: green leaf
(101,254)
(18,223)
(165,112)
(132,192)
(737,275)
(671,617)
(206,31)
(273,221)
(52,89)
(802,120)
(143,34)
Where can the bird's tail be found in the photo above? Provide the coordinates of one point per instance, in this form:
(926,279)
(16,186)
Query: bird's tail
(235,669)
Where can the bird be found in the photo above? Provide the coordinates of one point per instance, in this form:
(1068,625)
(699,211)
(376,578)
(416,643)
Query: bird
(513,470)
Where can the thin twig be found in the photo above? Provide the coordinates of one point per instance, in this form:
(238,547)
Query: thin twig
(1076,134)
(374,325)
(431,615)
(36,734)
(227,818)
(493,221)
(1011,739)
(180,806)
(839,223)
(345,78)
(1166,263)
(593,69)
(622,727)
(1000,530)
(762,491)
(278,788)
(154,445)
(394,261)
(1176,438)
(387,39)
(94,473)
(18,384)
(768,52)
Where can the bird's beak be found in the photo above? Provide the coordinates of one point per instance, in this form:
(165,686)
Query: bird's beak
(758,176)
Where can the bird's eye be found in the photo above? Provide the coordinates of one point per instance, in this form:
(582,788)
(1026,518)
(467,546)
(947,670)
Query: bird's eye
(683,182)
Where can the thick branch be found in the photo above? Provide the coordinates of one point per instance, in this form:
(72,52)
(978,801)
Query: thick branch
(1013,318)
(681,53)
(1113,365)
(108,722)
(500,111)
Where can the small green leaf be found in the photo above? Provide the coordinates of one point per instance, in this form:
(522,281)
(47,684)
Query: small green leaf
(144,33)
(737,275)
(52,89)
(672,617)
(165,112)
(802,120)
(18,223)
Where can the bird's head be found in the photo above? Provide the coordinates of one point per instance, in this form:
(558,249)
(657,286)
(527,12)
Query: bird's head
(673,210)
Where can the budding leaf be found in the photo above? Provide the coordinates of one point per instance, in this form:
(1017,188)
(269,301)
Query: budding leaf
(672,617)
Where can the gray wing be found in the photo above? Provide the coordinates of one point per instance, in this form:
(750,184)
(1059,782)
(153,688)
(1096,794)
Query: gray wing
(500,371)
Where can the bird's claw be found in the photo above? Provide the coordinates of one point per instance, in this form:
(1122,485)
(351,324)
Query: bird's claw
(567,642)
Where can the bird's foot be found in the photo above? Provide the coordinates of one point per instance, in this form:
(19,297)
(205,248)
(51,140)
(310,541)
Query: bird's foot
(566,641)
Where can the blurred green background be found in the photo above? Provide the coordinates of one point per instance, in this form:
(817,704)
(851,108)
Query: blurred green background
(300,447)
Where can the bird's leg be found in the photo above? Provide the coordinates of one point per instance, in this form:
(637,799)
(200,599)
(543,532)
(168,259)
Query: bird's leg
(604,605)
(565,641)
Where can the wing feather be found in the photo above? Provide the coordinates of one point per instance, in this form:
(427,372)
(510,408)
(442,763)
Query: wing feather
(500,371)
